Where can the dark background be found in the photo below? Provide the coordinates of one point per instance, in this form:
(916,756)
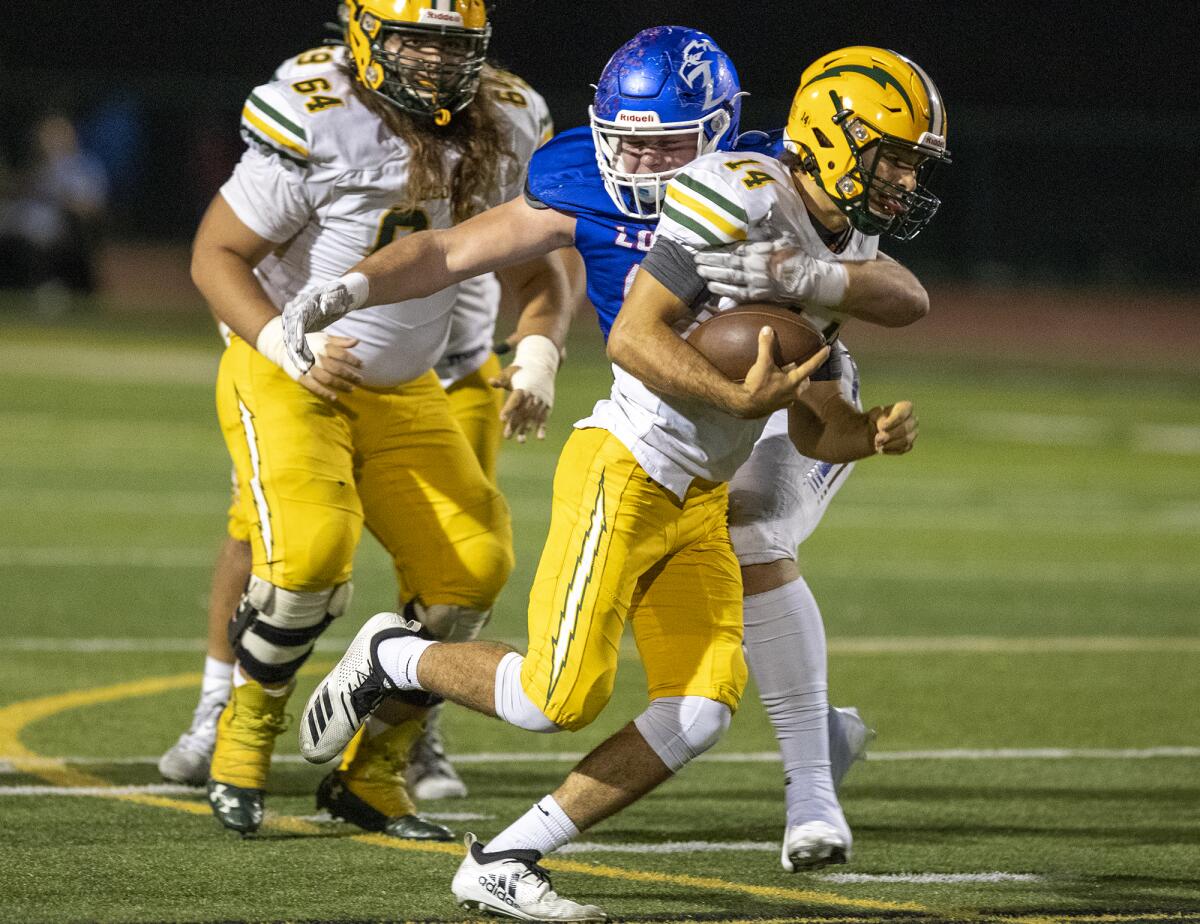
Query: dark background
(1073,126)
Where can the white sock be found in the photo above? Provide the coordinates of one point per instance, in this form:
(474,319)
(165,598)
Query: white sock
(544,828)
(398,658)
(240,679)
(785,648)
(217,677)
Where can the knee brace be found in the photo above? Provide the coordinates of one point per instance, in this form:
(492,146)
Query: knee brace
(513,704)
(447,622)
(274,630)
(681,728)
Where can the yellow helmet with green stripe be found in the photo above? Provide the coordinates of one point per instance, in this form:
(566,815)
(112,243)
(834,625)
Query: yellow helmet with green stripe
(869,126)
(423,55)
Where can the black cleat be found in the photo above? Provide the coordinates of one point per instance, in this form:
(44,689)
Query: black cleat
(237,809)
(336,798)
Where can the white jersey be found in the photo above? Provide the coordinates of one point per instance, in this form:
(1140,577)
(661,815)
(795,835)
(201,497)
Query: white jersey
(477,301)
(716,200)
(321,176)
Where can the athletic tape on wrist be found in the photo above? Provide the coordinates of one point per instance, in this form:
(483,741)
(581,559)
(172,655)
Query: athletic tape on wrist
(270,344)
(537,360)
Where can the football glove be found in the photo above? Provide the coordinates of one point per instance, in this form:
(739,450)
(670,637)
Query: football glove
(772,271)
(316,307)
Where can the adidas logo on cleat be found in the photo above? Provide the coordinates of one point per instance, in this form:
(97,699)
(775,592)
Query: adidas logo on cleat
(502,887)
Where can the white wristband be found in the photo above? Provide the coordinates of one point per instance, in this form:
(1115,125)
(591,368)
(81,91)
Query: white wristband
(359,288)
(270,344)
(830,280)
(537,360)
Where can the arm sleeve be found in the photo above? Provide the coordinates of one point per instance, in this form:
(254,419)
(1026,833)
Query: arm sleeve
(670,262)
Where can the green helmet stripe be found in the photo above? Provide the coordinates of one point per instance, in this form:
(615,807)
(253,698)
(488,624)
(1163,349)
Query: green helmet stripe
(878,74)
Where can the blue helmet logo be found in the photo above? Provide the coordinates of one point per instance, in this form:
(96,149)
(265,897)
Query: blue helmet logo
(699,59)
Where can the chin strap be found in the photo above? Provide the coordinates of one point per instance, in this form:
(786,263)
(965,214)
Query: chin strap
(441,117)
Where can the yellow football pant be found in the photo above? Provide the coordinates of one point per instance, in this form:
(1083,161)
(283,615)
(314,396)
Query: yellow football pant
(311,474)
(476,406)
(623,547)
(237,522)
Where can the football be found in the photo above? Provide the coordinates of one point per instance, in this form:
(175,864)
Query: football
(729,340)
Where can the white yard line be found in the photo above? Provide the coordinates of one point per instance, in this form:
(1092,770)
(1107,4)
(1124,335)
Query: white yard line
(152,789)
(1167,439)
(1072,430)
(9,767)
(928,878)
(1120,573)
(867,645)
(80,557)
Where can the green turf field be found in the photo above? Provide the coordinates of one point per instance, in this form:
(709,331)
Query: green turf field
(1015,607)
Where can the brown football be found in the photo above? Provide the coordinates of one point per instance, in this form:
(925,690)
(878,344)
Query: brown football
(729,340)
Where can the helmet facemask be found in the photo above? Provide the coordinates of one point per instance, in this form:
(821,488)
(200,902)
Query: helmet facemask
(429,70)
(875,204)
(640,195)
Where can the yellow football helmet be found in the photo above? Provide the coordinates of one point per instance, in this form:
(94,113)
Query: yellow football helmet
(869,126)
(423,55)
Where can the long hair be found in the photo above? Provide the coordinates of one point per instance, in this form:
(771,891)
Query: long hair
(486,159)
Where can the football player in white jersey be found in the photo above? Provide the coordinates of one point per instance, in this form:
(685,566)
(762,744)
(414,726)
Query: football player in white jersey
(470,373)
(416,131)
(865,129)
(638,529)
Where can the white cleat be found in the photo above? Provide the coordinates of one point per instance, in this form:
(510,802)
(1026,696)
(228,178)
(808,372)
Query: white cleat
(849,738)
(430,774)
(188,759)
(511,884)
(351,691)
(813,845)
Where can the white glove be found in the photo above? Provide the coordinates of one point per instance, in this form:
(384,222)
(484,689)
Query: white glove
(316,307)
(775,271)
(270,344)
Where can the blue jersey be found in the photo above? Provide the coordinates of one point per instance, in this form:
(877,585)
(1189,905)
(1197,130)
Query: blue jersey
(563,175)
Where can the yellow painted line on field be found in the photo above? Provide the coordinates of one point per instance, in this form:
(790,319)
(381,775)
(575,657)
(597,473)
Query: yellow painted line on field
(695,882)
(16,717)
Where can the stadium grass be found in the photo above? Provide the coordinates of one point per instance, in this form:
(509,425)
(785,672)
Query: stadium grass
(1038,527)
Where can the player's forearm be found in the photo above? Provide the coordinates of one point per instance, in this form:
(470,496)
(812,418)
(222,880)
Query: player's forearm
(234,295)
(883,292)
(652,352)
(823,425)
(413,267)
(543,290)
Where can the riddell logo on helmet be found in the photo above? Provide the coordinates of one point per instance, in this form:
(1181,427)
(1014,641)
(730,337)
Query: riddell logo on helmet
(626,117)
(440,16)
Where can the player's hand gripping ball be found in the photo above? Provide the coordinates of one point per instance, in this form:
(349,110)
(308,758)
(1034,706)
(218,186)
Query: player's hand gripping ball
(729,340)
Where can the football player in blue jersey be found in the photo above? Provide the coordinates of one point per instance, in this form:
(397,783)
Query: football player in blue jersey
(667,97)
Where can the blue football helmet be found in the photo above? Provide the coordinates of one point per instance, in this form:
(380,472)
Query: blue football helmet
(665,81)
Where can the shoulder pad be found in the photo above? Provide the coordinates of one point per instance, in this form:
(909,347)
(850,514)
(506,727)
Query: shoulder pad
(563,176)
(520,103)
(312,61)
(769,143)
(272,120)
